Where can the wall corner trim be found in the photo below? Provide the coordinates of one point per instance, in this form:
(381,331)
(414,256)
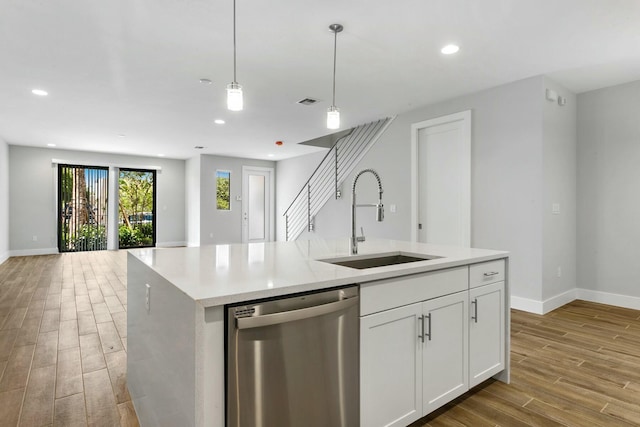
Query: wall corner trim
(3,257)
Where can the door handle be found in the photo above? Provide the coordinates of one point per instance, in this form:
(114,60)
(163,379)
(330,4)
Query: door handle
(421,335)
(428,334)
(293,315)
(475,310)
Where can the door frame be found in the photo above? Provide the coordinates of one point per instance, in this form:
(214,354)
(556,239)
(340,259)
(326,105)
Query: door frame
(154,224)
(271,199)
(465,117)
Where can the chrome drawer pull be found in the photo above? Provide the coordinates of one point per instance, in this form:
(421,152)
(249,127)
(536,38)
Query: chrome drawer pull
(428,334)
(492,273)
(475,310)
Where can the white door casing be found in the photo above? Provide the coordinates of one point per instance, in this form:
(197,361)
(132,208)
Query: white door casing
(441,180)
(257,204)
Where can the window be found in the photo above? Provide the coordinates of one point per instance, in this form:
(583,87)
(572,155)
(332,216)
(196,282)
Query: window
(223,190)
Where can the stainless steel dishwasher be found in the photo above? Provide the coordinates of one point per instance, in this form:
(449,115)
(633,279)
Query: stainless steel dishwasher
(294,362)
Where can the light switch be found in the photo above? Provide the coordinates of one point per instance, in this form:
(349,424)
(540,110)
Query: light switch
(555,208)
(147,299)
(392,208)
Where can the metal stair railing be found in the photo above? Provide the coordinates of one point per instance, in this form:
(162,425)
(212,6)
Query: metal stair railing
(326,179)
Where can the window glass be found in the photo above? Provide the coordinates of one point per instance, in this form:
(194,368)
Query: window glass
(223,190)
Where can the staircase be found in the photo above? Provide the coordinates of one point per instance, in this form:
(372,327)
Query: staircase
(326,180)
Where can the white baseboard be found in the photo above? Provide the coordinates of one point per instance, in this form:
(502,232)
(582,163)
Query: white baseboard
(559,300)
(170,244)
(526,304)
(609,298)
(32,252)
(544,307)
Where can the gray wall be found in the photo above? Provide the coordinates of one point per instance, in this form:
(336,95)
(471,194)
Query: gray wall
(292,175)
(559,186)
(608,196)
(223,226)
(506,172)
(33,204)
(4,201)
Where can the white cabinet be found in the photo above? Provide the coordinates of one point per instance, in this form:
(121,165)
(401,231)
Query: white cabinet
(390,367)
(414,359)
(425,339)
(486,332)
(445,362)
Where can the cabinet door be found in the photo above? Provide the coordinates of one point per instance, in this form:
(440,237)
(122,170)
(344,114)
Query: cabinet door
(486,332)
(445,368)
(390,367)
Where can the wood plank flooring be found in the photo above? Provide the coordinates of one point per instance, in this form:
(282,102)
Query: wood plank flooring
(63,355)
(63,342)
(576,366)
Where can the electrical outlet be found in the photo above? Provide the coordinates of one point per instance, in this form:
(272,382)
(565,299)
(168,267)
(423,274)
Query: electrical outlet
(555,208)
(35,238)
(147,301)
(392,208)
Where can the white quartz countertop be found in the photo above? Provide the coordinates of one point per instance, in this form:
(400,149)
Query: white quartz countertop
(224,274)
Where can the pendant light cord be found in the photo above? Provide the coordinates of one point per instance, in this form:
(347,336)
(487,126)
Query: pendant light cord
(234,42)
(335,48)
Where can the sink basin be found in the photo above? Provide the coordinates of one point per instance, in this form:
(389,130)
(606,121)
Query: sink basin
(378,260)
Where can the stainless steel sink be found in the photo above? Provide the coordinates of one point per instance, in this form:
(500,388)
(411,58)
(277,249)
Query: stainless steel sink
(378,260)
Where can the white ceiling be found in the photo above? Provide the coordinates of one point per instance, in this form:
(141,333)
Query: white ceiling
(132,67)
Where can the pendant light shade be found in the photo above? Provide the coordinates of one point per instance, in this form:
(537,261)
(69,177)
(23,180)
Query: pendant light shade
(333,117)
(234,90)
(333,112)
(234,97)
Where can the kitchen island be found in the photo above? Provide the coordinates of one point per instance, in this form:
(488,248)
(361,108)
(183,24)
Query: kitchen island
(176,311)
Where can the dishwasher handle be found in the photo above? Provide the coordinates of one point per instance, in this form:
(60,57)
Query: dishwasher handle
(293,315)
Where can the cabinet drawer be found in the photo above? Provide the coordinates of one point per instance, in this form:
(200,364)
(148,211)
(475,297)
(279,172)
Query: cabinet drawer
(485,273)
(385,294)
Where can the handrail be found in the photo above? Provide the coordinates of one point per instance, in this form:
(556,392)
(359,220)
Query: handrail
(317,190)
(335,144)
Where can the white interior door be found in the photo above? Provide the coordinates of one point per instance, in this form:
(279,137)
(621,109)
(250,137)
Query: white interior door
(441,177)
(257,204)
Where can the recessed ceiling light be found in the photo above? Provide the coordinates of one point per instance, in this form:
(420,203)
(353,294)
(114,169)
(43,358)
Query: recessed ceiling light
(205,81)
(39,92)
(218,121)
(198,147)
(121,135)
(51,145)
(160,155)
(270,155)
(450,49)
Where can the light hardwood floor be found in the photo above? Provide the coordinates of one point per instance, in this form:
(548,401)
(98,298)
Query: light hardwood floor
(576,366)
(63,355)
(63,342)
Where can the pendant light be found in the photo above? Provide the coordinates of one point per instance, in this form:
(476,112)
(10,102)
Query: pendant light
(333,112)
(234,90)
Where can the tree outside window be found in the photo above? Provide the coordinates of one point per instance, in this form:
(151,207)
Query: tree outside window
(223,190)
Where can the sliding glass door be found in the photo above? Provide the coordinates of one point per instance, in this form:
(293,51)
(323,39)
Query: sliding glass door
(136,208)
(82,208)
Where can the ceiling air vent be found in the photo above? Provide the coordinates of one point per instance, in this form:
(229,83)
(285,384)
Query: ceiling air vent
(307,101)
